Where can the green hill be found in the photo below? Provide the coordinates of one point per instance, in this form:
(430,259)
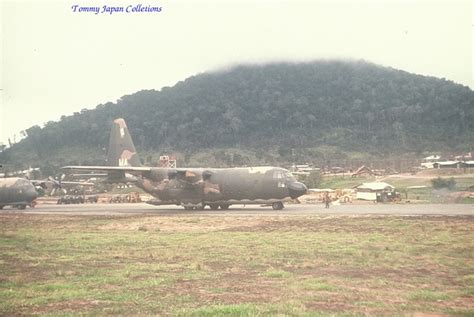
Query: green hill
(256,114)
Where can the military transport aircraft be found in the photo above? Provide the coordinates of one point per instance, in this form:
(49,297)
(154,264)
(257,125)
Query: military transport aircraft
(21,192)
(17,192)
(195,188)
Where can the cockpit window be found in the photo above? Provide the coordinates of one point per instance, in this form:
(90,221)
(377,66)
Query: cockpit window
(278,174)
(282,174)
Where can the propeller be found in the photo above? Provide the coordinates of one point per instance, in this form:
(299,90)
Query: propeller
(57,184)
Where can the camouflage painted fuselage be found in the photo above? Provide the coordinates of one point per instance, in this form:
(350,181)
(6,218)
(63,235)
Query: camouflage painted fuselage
(16,192)
(252,185)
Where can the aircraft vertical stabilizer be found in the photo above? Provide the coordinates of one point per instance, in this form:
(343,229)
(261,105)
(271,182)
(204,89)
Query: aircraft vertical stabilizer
(121,150)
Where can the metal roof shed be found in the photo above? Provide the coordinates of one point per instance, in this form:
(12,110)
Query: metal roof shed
(368,191)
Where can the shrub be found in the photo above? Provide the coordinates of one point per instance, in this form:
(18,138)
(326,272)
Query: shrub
(440,183)
(313,180)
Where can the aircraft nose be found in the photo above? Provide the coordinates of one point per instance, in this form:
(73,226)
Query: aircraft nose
(32,194)
(297,189)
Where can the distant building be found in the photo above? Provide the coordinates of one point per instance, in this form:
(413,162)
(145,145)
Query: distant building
(363,171)
(467,164)
(460,161)
(303,169)
(430,160)
(447,164)
(468,156)
(168,161)
(370,191)
(337,170)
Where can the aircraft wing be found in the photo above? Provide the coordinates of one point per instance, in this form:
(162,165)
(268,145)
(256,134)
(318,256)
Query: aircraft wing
(43,182)
(116,174)
(77,183)
(90,175)
(186,175)
(125,169)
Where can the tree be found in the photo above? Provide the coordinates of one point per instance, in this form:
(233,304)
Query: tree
(337,107)
(313,180)
(440,183)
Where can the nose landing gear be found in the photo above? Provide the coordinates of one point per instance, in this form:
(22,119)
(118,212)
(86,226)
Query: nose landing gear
(278,205)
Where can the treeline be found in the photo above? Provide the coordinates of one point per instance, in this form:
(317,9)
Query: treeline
(273,109)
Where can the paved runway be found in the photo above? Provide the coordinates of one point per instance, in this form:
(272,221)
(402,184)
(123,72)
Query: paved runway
(303,209)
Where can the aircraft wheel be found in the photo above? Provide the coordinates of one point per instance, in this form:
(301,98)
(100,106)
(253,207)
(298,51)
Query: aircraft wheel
(1,207)
(214,206)
(188,208)
(21,207)
(224,206)
(277,206)
(200,207)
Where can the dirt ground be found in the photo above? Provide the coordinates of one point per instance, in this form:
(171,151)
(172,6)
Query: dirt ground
(238,265)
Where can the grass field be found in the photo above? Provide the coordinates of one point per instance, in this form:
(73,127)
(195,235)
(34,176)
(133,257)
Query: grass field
(236,265)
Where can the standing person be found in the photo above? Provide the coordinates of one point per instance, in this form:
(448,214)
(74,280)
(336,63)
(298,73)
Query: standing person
(327,199)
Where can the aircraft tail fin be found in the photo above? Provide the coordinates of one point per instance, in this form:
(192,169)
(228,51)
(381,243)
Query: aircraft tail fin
(121,150)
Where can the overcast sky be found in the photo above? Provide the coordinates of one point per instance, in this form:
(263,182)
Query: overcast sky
(56,61)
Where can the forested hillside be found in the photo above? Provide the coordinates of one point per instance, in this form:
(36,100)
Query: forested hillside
(261,112)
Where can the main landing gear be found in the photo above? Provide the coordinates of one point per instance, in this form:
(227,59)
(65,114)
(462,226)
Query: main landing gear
(213,206)
(278,205)
(216,206)
(196,207)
